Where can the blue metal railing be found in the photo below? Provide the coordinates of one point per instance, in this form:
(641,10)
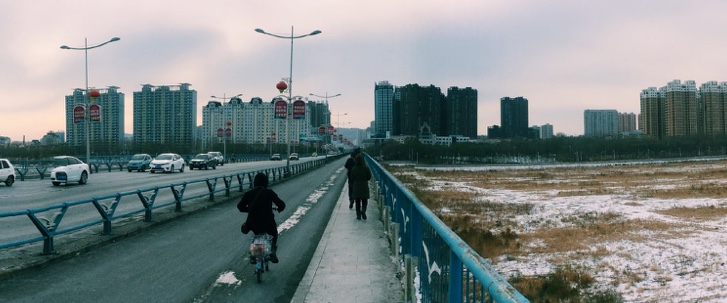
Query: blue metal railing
(47,220)
(449,270)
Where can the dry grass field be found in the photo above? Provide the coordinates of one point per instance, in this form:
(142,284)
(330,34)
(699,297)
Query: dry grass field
(652,232)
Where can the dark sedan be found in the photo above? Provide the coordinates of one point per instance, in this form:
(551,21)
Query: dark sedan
(201,161)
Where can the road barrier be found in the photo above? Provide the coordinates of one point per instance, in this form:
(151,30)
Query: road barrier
(448,269)
(114,207)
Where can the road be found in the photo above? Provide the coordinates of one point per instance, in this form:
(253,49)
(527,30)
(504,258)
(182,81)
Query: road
(196,258)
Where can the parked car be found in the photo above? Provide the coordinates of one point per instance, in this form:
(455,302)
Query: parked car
(201,161)
(139,162)
(314,154)
(167,163)
(68,169)
(294,156)
(7,172)
(218,156)
(276,157)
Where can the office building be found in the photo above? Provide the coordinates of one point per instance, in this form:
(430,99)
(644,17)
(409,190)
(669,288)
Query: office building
(513,117)
(626,123)
(601,123)
(165,114)
(106,127)
(383,107)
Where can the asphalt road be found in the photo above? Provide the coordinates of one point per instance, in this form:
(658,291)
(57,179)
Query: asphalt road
(201,257)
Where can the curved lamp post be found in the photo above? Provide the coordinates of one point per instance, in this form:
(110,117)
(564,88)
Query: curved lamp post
(227,124)
(292,37)
(86,121)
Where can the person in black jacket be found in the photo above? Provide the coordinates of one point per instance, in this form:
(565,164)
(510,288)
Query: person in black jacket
(350,163)
(258,203)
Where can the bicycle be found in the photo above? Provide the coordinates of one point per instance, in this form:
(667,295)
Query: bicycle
(260,250)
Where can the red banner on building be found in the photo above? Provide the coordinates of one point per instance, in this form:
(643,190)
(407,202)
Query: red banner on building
(331,129)
(281,109)
(79,112)
(322,130)
(228,132)
(298,110)
(219,132)
(94,112)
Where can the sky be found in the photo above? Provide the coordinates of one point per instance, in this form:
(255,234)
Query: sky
(563,56)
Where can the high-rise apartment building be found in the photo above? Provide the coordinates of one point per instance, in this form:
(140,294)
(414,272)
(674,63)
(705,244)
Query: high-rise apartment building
(682,111)
(546,131)
(626,123)
(416,107)
(251,123)
(653,112)
(513,117)
(383,107)
(107,129)
(600,122)
(461,112)
(713,101)
(165,114)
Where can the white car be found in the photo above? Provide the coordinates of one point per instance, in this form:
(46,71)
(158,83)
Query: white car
(294,156)
(7,172)
(167,163)
(68,169)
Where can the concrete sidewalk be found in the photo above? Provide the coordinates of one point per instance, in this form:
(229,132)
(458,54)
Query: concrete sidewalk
(353,262)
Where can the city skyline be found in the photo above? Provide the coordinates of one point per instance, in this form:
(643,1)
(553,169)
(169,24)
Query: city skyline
(563,56)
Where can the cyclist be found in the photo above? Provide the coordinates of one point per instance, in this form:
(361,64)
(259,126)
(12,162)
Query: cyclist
(258,203)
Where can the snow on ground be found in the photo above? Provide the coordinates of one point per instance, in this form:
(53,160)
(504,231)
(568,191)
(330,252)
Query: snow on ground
(685,263)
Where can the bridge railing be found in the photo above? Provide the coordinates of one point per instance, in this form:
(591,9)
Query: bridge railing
(48,223)
(448,269)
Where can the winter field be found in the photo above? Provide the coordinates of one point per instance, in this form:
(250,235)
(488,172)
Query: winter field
(650,231)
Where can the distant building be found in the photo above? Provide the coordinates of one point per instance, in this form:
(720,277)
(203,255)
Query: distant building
(678,110)
(713,101)
(105,128)
(53,138)
(415,106)
(165,114)
(514,117)
(601,122)
(546,131)
(383,107)
(627,123)
(461,112)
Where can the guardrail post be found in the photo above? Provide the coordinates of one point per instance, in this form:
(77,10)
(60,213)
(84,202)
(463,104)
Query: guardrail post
(395,239)
(455,278)
(409,276)
(386,218)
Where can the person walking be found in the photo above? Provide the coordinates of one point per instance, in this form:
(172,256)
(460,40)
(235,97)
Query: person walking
(258,203)
(350,163)
(360,176)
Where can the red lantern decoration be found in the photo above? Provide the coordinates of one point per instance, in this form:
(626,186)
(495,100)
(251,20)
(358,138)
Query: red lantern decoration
(281,86)
(229,123)
(94,94)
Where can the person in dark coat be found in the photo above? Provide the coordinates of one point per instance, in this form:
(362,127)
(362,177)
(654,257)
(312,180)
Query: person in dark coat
(258,203)
(360,176)
(350,162)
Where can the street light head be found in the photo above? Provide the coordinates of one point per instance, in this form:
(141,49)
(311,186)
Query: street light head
(260,30)
(65,47)
(315,32)
(114,39)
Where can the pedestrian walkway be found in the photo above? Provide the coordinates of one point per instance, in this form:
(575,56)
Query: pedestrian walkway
(353,262)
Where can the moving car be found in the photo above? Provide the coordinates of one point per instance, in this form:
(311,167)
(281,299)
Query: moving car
(139,162)
(68,169)
(218,156)
(167,163)
(294,156)
(7,172)
(201,161)
(276,157)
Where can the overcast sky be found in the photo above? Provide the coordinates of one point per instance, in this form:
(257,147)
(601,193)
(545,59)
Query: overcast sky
(563,56)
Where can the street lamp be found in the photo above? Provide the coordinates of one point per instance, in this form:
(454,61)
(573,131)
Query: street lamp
(86,121)
(228,123)
(289,86)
